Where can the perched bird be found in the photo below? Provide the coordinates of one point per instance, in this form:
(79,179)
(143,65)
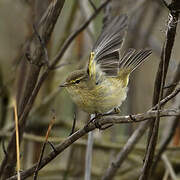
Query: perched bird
(103,85)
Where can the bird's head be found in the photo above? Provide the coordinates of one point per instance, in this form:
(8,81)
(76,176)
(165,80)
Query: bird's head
(76,79)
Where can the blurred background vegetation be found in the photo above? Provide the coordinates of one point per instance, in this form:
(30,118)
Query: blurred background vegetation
(147,27)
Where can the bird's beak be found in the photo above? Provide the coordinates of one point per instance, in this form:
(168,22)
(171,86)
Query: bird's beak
(65,84)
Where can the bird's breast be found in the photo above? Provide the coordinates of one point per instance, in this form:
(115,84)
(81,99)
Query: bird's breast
(99,98)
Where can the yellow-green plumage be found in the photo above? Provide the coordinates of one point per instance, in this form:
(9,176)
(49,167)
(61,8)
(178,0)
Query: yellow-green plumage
(101,98)
(103,86)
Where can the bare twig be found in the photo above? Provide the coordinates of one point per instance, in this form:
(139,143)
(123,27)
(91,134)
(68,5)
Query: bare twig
(167,98)
(158,93)
(175,81)
(45,28)
(165,142)
(173,126)
(44,145)
(17,141)
(153,132)
(3,147)
(74,125)
(169,167)
(45,53)
(127,148)
(134,138)
(171,85)
(93,5)
(166,175)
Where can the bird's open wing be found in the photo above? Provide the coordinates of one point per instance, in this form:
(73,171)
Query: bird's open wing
(104,58)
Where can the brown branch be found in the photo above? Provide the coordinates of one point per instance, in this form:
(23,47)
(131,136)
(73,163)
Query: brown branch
(17,140)
(127,148)
(154,126)
(105,146)
(92,4)
(91,126)
(35,53)
(165,142)
(158,93)
(74,125)
(175,81)
(44,145)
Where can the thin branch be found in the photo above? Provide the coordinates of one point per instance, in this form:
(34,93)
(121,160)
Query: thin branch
(169,97)
(17,140)
(169,167)
(45,29)
(44,145)
(127,148)
(158,93)
(108,145)
(91,126)
(175,82)
(173,126)
(154,128)
(115,165)
(165,142)
(43,46)
(93,5)
(74,124)
(4,148)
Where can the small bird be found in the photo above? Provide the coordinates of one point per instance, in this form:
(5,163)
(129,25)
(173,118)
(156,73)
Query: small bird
(102,86)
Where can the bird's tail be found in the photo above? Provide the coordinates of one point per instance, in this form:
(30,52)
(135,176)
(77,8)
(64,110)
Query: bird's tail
(133,59)
(130,61)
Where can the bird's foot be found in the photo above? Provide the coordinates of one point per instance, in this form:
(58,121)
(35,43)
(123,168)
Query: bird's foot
(117,110)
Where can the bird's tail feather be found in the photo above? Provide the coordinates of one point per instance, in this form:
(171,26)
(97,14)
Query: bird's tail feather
(133,59)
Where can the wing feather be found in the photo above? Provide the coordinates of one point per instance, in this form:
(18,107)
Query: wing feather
(105,52)
(104,58)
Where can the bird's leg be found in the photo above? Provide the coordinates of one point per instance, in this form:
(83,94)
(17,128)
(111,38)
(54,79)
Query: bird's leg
(96,123)
(117,110)
(98,126)
(97,116)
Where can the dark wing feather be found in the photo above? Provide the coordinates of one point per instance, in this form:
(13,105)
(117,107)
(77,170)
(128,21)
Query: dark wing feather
(105,57)
(106,49)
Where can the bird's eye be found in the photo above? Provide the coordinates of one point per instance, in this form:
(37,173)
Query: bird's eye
(77,81)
